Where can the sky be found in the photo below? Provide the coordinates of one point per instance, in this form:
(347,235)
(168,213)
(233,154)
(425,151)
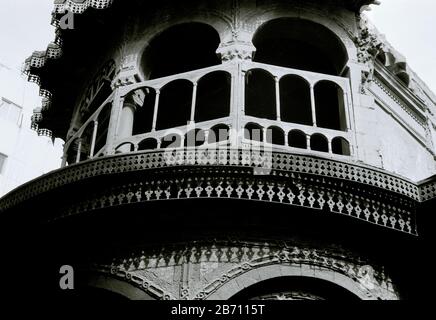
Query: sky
(409,25)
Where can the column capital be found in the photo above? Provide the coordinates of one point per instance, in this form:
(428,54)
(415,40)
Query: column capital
(236,50)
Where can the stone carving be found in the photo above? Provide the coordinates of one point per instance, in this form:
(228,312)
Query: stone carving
(235,257)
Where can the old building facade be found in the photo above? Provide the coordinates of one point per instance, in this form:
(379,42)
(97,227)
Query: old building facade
(275,149)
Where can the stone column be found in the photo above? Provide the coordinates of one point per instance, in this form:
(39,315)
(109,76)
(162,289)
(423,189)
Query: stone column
(126,123)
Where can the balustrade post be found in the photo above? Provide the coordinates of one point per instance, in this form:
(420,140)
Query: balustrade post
(194,102)
(94,138)
(308,142)
(313,105)
(287,139)
(155,111)
(278,107)
(330,146)
(79,150)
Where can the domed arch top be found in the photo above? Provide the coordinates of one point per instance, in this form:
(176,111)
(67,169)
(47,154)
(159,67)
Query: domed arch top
(300,44)
(180,48)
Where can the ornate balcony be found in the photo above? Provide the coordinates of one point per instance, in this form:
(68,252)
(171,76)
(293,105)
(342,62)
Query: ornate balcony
(223,98)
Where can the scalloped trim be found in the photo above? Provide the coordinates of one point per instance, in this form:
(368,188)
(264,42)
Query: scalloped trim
(38,59)
(80,6)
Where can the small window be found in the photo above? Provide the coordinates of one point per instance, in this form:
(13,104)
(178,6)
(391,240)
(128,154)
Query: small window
(10,111)
(2,162)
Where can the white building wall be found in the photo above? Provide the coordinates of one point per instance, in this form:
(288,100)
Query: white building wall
(28,155)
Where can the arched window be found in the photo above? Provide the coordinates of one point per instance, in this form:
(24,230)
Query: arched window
(260,94)
(300,44)
(147,144)
(319,143)
(329,106)
(144,114)
(213,96)
(218,133)
(295,104)
(181,48)
(171,141)
(275,135)
(195,138)
(253,132)
(341,146)
(297,139)
(175,104)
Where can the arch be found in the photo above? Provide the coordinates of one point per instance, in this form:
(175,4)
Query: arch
(260,94)
(254,132)
(329,106)
(300,44)
(195,138)
(295,288)
(257,275)
(122,148)
(181,48)
(175,104)
(341,146)
(103,119)
(147,144)
(71,152)
(213,96)
(119,287)
(143,122)
(318,142)
(295,101)
(297,139)
(275,135)
(219,133)
(86,138)
(172,140)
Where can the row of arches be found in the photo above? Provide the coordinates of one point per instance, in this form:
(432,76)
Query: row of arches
(254,132)
(182,101)
(287,42)
(194,138)
(292,99)
(296,139)
(92,139)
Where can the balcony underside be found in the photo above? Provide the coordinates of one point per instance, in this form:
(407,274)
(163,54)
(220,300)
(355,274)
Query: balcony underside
(288,180)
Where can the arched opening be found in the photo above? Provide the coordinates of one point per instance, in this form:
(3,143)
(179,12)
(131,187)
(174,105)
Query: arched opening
(175,104)
(143,121)
(213,96)
(329,106)
(300,44)
(275,135)
(103,127)
(219,133)
(318,142)
(295,103)
(72,151)
(341,146)
(181,48)
(195,138)
(86,138)
(171,141)
(295,288)
(125,147)
(147,144)
(260,94)
(297,139)
(253,132)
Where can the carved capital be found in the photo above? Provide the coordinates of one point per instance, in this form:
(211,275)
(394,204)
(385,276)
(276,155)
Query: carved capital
(236,50)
